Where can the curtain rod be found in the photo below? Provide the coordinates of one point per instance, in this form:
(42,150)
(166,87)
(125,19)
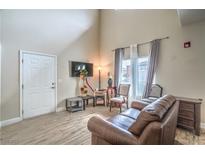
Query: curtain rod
(142,43)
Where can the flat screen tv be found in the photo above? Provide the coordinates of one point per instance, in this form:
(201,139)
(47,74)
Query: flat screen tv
(75,68)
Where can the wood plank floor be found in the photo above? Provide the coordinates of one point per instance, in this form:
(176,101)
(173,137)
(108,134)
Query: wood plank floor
(55,128)
(68,128)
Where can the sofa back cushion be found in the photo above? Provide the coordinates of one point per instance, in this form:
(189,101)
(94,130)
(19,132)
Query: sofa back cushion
(153,112)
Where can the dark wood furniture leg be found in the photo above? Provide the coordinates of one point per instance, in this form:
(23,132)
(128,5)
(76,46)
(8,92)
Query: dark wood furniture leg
(94,102)
(66,104)
(84,104)
(107,98)
(110,106)
(71,105)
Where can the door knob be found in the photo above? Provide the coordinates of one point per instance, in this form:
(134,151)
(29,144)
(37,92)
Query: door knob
(53,85)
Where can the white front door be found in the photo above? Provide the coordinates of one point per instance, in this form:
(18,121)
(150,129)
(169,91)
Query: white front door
(38,79)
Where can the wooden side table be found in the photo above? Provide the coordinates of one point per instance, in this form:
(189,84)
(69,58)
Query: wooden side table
(86,99)
(189,116)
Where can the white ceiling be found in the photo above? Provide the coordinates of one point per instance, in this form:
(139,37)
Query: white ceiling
(191,16)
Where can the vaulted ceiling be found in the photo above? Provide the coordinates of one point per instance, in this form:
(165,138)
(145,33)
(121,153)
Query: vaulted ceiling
(191,16)
(55,30)
(47,30)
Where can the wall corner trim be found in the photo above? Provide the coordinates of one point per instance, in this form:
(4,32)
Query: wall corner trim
(59,109)
(10,121)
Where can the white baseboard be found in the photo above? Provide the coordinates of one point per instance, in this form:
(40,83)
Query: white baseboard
(59,109)
(10,121)
(203,125)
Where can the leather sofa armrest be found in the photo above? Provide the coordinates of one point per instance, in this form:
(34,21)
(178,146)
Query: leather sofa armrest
(137,104)
(109,132)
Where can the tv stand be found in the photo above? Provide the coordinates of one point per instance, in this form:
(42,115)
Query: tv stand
(74,104)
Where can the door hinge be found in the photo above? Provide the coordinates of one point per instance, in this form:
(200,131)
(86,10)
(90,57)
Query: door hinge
(22,86)
(22,111)
(22,60)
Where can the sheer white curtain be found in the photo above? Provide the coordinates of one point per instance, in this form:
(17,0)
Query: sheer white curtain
(135,89)
(139,57)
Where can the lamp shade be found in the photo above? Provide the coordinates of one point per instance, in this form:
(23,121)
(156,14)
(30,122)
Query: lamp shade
(99,68)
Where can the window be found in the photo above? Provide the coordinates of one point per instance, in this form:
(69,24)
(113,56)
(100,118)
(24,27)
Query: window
(141,71)
(126,71)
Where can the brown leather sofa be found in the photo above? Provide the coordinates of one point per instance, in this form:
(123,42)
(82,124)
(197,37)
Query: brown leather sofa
(143,123)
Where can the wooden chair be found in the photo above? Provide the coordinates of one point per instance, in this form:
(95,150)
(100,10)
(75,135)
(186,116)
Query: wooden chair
(100,94)
(155,93)
(97,94)
(111,92)
(122,96)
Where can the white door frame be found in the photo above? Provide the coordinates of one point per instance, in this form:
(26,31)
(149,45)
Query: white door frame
(21,52)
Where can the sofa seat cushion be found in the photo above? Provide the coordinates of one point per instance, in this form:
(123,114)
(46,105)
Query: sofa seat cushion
(132,113)
(100,93)
(153,112)
(121,121)
(119,99)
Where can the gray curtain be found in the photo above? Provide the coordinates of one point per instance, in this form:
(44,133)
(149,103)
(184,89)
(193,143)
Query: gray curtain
(153,61)
(119,53)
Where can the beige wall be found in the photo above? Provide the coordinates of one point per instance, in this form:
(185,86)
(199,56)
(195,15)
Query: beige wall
(0,68)
(70,34)
(181,71)
(73,35)
(84,49)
